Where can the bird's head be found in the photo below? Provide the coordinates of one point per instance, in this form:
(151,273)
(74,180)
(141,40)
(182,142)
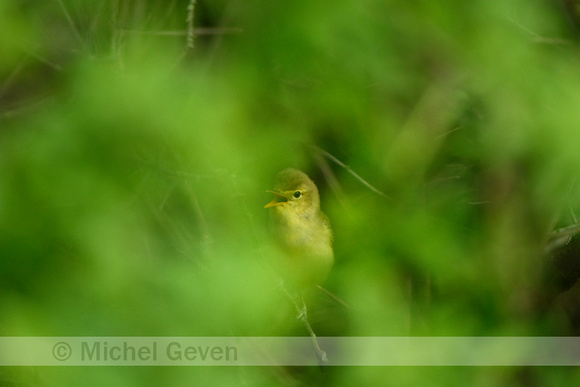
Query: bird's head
(295,193)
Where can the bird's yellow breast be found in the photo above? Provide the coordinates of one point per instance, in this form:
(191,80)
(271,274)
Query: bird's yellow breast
(306,245)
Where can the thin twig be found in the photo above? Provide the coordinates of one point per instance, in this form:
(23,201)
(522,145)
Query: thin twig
(190,30)
(303,317)
(196,31)
(569,230)
(573,215)
(45,61)
(11,77)
(333,296)
(74,29)
(539,38)
(332,180)
(449,132)
(340,163)
(249,214)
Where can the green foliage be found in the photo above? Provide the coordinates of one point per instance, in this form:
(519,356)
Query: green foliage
(133,171)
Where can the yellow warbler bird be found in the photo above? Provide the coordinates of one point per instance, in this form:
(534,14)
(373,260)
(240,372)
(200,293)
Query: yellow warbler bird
(301,229)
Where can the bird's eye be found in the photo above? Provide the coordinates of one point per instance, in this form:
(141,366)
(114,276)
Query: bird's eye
(297,194)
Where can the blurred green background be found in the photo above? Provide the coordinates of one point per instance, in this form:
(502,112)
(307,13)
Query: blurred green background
(133,171)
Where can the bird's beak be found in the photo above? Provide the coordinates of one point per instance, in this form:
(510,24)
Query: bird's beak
(278,200)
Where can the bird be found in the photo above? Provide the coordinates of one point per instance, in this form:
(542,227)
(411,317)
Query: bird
(301,230)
